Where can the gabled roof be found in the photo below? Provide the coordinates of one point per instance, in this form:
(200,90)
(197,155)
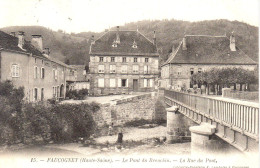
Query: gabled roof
(203,49)
(103,45)
(9,42)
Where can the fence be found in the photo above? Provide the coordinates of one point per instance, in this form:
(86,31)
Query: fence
(240,117)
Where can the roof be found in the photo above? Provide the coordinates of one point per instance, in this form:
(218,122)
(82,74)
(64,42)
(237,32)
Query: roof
(203,49)
(9,42)
(103,45)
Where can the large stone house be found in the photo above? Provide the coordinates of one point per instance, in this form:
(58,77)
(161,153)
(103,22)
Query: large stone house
(122,62)
(197,53)
(29,65)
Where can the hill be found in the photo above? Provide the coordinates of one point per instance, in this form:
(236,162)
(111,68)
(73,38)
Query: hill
(170,32)
(69,48)
(74,48)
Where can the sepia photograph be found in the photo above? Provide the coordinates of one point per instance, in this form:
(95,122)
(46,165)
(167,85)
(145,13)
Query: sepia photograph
(129,83)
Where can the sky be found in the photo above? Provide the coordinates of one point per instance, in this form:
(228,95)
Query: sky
(96,15)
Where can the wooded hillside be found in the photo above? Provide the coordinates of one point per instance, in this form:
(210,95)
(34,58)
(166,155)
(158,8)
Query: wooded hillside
(74,48)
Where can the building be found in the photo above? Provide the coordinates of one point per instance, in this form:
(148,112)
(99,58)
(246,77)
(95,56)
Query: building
(82,80)
(197,53)
(29,65)
(123,62)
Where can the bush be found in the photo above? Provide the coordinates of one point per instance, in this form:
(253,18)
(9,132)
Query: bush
(78,95)
(11,100)
(82,93)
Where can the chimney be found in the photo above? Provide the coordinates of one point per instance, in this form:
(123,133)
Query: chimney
(92,41)
(117,35)
(20,39)
(12,34)
(154,38)
(232,42)
(37,42)
(46,51)
(184,45)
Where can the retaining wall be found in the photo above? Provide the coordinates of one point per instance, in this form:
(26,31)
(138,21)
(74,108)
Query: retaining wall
(129,109)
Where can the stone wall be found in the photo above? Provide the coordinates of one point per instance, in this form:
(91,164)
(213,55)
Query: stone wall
(129,109)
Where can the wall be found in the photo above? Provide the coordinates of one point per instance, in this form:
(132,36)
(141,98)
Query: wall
(124,110)
(26,77)
(153,73)
(244,95)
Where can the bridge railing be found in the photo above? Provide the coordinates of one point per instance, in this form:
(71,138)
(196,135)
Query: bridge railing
(243,117)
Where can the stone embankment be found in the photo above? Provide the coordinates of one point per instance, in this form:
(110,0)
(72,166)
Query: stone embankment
(120,111)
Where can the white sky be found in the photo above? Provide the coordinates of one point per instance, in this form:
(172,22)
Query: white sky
(97,15)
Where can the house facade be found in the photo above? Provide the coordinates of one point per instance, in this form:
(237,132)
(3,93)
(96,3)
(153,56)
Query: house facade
(197,53)
(82,78)
(27,64)
(123,62)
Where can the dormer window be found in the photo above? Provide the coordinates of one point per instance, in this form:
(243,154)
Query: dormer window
(134,45)
(114,44)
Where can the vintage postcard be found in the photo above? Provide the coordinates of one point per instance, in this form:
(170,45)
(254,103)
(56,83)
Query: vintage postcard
(129,83)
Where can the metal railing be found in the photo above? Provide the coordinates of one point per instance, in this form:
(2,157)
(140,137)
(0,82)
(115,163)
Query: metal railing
(244,118)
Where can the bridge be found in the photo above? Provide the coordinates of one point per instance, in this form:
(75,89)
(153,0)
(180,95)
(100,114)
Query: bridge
(236,122)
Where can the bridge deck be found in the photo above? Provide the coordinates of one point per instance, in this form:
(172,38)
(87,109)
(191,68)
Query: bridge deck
(237,121)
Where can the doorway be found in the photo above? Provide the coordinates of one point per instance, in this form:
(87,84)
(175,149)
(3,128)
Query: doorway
(135,85)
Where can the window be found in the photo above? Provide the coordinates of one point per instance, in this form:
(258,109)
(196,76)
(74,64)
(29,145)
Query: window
(42,73)
(101,68)
(124,68)
(53,91)
(35,94)
(134,44)
(42,94)
(56,74)
(179,71)
(101,59)
(114,44)
(112,68)
(35,60)
(135,68)
(192,71)
(146,59)
(112,82)
(199,70)
(15,70)
(124,83)
(101,82)
(35,72)
(146,69)
(42,61)
(135,59)
(151,82)
(112,59)
(146,82)
(119,83)
(124,59)
(58,91)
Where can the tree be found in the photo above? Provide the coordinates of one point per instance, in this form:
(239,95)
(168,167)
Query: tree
(225,77)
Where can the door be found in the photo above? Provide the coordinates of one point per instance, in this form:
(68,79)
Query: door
(135,85)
